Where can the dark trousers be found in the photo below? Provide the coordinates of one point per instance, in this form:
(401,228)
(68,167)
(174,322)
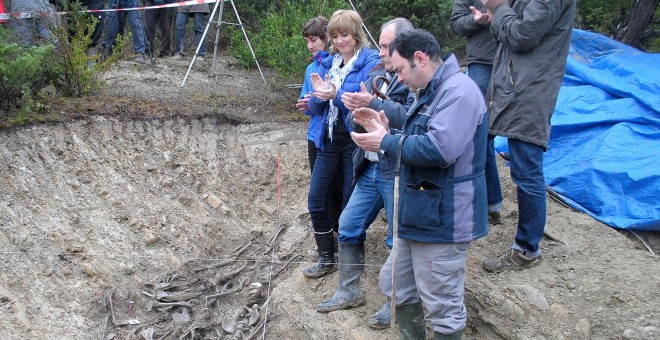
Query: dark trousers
(97,35)
(163,18)
(336,198)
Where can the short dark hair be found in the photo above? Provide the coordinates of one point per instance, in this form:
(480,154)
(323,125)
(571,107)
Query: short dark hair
(316,27)
(408,42)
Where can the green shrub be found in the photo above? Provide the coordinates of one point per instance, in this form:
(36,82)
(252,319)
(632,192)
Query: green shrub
(279,43)
(23,73)
(30,77)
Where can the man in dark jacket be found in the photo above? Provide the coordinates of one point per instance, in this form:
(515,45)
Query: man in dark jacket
(469,19)
(373,186)
(534,37)
(442,150)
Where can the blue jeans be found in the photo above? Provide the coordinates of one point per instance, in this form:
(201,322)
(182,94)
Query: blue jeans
(480,74)
(199,25)
(371,193)
(335,158)
(134,20)
(527,173)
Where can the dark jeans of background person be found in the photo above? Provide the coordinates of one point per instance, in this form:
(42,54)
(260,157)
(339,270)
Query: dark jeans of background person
(335,200)
(527,173)
(199,26)
(97,35)
(480,74)
(113,25)
(337,157)
(163,18)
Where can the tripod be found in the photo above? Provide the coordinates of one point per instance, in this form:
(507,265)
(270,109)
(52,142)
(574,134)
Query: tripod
(219,22)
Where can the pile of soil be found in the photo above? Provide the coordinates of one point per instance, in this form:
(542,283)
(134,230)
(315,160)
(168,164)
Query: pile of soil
(161,211)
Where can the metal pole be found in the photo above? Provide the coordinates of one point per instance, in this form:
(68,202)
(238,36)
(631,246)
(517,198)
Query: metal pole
(248,41)
(217,37)
(201,41)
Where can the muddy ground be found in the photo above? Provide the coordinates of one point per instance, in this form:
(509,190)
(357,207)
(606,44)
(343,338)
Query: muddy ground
(155,211)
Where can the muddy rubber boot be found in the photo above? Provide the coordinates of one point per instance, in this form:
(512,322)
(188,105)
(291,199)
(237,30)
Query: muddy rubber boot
(351,267)
(381,319)
(454,336)
(326,263)
(410,318)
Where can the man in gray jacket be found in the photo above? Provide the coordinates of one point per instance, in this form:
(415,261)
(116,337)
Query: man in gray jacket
(469,19)
(534,37)
(442,151)
(373,186)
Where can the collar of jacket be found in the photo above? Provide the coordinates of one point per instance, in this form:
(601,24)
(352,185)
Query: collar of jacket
(366,54)
(448,68)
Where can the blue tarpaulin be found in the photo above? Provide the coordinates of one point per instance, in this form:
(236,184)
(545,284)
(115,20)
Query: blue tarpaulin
(603,157)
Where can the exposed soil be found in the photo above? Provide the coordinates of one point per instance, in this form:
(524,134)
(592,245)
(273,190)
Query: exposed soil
(155,211)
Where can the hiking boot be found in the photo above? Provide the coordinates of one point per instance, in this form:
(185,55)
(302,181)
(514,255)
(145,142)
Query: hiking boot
(511,259)
(494,217)
(381,319)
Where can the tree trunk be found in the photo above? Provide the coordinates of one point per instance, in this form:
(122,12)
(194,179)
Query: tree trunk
(639,17)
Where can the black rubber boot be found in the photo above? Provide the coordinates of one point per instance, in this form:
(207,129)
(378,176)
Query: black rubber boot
(454,336)
(410,318)
(381,319)
(351,267)
(326,263)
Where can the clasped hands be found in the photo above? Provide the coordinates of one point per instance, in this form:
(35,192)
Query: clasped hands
(323,89)
(375,123)
(485,18)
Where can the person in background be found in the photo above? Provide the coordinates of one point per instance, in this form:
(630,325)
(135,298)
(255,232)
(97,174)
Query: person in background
(315,34)
(374,186)
(469,19)
(113,27)
(199,13)
(161,17)
(343,70)
(442,152)
(534,38)
(27,30)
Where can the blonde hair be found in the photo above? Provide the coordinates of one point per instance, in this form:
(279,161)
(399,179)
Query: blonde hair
(344,20)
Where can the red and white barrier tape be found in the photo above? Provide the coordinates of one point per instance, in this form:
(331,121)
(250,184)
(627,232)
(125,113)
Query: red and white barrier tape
(20,15)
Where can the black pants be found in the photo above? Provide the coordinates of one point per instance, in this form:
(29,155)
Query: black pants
(163,18)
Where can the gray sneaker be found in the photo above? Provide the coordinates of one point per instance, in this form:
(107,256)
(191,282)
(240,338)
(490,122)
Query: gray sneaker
(140,59)
(177,56)
(511,259)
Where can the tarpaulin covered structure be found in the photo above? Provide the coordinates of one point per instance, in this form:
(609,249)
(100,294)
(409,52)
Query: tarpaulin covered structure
(603,156)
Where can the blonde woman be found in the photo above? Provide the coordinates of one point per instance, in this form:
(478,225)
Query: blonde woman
(348,64)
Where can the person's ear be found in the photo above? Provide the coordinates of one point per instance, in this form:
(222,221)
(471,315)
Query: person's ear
(420,57)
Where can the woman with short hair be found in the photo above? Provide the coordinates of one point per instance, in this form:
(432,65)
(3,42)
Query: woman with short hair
(348,64)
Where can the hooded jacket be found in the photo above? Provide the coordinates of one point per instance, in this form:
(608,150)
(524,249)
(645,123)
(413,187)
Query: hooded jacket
(366,60)
(315,124)
(443,157)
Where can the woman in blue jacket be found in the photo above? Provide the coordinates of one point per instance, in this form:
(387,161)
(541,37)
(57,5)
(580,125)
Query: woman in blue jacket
(348,64)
